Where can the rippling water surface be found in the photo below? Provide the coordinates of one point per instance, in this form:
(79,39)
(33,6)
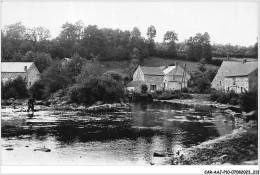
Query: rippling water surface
(128,138)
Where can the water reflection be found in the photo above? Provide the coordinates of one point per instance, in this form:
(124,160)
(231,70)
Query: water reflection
(129,138)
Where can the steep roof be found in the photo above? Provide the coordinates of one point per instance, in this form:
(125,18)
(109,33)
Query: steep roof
(15,66)
(241,69)
(168,69)
(179,71)
(152,70)
(134,83)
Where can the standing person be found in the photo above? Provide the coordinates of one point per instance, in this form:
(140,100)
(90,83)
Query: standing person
(31,103)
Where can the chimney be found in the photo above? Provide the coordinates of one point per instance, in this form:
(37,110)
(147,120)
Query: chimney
(25,68)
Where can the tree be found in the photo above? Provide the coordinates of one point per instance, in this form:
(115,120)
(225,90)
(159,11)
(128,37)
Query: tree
(53,78)
(94,42)
(12,38)
(171,37)
(206,48)
(198,47)
(29,56)
(136,58)
(73,68)
(91,69)
(70,35)
(151,33)
(42,61)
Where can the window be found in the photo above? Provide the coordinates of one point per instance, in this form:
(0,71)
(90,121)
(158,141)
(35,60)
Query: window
(153,87)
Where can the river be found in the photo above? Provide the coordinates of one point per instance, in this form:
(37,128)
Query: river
(129,138)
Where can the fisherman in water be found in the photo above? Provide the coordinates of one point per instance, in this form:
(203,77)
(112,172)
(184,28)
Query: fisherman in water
(31,103)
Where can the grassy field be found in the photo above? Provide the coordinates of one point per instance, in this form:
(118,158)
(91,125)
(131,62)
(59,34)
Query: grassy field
(123,66)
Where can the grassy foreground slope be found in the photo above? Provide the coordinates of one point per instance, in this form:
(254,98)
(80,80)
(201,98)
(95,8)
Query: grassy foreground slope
(123,66)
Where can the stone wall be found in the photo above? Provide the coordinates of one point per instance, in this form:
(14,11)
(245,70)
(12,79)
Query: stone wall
(238,84)
(12,75)
(154,80)
(138,75)
(176,85)
(253,80)
(32,75)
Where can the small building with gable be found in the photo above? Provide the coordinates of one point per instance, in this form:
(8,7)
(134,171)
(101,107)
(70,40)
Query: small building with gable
(27,70)
(236,76)
(159,78)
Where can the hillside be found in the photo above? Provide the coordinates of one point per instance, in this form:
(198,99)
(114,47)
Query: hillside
(123,66)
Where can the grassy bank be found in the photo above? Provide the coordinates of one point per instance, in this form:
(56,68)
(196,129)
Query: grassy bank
(237,148)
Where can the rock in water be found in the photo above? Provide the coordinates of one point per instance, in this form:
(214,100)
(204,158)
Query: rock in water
(9,149)
(43,149)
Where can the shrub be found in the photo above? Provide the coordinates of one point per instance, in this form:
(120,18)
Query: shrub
(15,89)
(169,95)
(249,101)
(144,88)
(97,89)
(216,62)
(202,80)
(214,96)
(42,61)
(37,90)
(54,78)
(222,97)
(185,90)
(114,75)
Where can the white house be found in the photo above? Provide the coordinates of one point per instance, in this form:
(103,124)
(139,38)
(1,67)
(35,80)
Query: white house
(159,78)
(27,70)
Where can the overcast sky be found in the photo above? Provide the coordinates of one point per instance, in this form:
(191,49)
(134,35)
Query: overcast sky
(226,22)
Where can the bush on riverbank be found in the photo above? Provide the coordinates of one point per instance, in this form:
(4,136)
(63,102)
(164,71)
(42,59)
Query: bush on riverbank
(93,89)
(16,88)
(37,90)
(225,98)
(249,101)
(169,95)
(201,81)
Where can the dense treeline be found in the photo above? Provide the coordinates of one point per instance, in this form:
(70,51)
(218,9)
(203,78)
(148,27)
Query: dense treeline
(23,44)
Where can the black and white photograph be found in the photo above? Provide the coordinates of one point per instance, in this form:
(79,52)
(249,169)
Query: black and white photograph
(129,83)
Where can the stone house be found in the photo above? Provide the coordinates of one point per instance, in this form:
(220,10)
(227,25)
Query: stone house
(159,78)
(236,76)
(27,70)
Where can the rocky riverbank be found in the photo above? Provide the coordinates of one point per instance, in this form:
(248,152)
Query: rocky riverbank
(237,148)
